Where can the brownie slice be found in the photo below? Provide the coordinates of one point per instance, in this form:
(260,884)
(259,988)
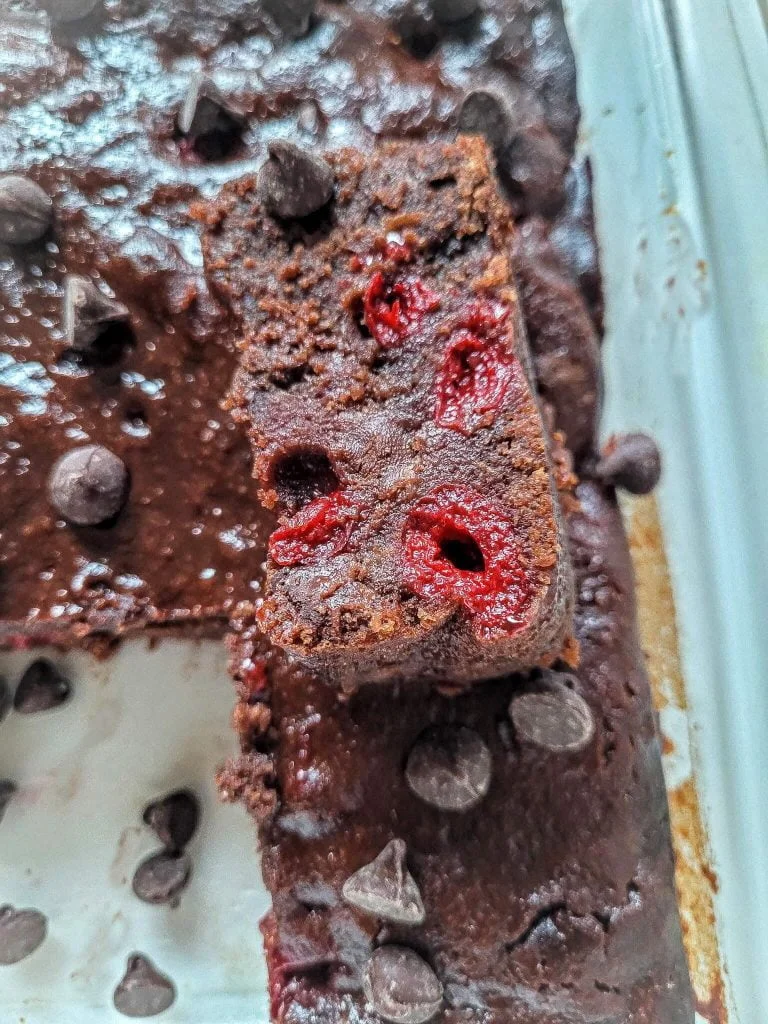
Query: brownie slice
(531,871)
(386,386)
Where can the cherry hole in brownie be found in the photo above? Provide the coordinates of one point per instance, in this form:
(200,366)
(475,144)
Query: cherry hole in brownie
(460,546)
(318,531)
(391,309)
(477,371)
(301,474)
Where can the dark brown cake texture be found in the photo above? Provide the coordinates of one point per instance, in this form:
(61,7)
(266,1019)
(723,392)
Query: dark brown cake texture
(541,855)
(385,384)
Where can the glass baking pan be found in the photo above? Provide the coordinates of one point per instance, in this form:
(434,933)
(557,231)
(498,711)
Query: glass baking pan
(680,166)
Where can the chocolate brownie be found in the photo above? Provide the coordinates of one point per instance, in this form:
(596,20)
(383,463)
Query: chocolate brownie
(385,384)
(514,838)
(123,115)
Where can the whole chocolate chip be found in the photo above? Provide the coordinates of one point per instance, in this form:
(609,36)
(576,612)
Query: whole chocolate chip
(385,887)
(292,17)
(88,312)
(293,182)
(486,112)
(174,818)
(41,687)
(26,212)
(162,877)
(449,767)
(143,991)
(206,111)
(5,698)
(401,987)
(631,461)
(7,790)
(88,485)
(70,10)
(21,932)
(450,11)
(554,717)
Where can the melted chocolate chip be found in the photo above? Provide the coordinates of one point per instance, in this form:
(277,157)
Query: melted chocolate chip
(21,932)
(41,687)
(449,767)
(293,182)
(554,717)
(7,791)
(26,212)
(143,990)
(292,17)
(385,887)
(174,818)
(207,116)
(631,461)
(70,10)
(450,11)
(88,312)
(401,987)
(88,485)
(162,877)
(486,112)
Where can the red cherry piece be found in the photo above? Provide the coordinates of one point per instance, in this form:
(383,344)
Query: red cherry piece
(460,546)
(399,252)
(320,530)
(477,372)
(391,310)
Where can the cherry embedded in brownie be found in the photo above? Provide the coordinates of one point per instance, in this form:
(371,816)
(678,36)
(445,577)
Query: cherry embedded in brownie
(385,384)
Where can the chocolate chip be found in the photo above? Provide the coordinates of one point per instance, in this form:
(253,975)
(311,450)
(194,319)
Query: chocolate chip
(70,10)
(401,987)
(631,461)
(553,717)
(26,212)
(88,312)
(41,687)
(143,990)
(174,818)
(162,877)
(21,932)
(5,698)
(88,485)
(292,17)
(385,887)
(486,112)
(293,182)
(450,11)
(449,767)
(207,115)
(7,791)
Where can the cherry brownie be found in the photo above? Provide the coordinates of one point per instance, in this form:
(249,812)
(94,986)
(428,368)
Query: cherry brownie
(386,385)
(501,856)
(114,118)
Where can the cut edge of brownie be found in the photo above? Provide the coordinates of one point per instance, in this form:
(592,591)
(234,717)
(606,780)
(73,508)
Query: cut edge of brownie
(352,401)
